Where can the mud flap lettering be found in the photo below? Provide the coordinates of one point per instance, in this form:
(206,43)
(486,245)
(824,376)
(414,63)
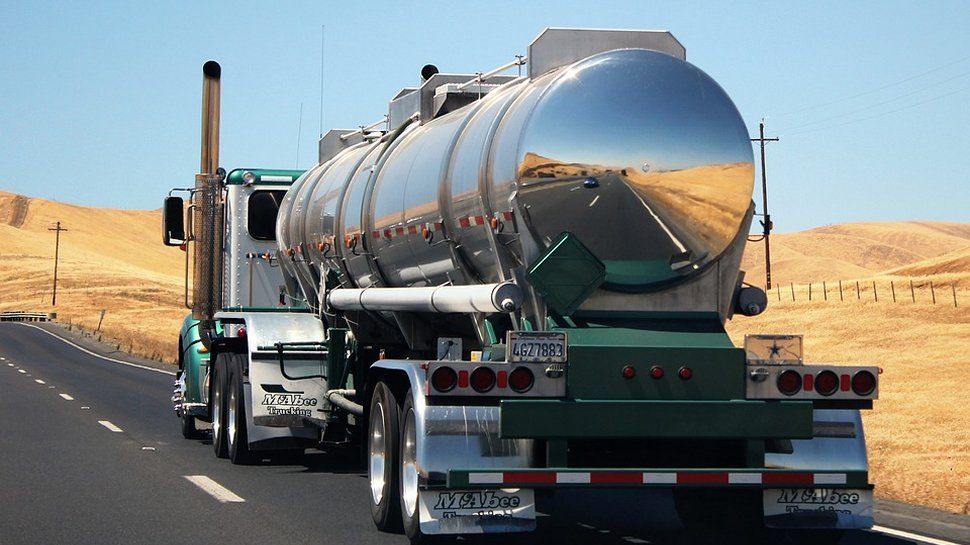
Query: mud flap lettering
(477,511)
(818,508)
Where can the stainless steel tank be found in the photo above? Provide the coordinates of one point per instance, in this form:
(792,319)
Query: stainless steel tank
(640,154)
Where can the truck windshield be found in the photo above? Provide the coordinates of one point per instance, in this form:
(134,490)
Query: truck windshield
(264,205)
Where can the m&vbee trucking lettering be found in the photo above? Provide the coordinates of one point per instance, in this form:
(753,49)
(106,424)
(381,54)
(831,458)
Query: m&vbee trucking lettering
(511,286)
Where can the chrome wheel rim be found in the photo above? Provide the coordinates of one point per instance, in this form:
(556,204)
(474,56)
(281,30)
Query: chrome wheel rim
(376,454)
(409,467)
(231,418)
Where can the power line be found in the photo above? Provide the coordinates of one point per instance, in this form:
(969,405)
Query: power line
(881,114)
(878,104)
(877,89)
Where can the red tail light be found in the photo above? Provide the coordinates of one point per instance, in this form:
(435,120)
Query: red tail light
(826,383)
(444,379)
(521,379)
(789,382)
(241,332)
(685,373)
(628,372)
(863,383)
(483,379)
(657,372)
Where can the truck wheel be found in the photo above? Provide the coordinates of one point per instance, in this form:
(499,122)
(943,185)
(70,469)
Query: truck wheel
(219,369)
(237,436)
(409,474)
(383,470)
(189,429)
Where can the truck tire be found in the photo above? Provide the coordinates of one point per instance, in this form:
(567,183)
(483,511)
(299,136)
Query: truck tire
(410,511)
(189,428)
(383,469)
(217,398)
(237,434)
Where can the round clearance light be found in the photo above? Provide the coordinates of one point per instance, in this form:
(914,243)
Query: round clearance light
(685,373)
(249,178)
(657,372)
(241,332)
(521,380)
(444,379)
(789,382)
(863,383)
(826,383)
(628,372)
(482,379)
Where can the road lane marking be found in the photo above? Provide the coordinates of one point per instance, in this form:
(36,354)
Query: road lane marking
(21,371)
(85,408)
(214,489)
(594,201)
(38,381)
(86,351)
(110,426)
(910,535)
(636,540)
(67,397)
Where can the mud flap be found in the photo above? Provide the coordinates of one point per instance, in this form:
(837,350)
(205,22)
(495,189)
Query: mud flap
(477,511)
(819,508)
(278,401)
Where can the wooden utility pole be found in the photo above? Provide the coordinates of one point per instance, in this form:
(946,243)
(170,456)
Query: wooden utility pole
(766,221)
(57,247)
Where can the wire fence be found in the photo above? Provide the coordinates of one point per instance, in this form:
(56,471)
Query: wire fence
(891,291)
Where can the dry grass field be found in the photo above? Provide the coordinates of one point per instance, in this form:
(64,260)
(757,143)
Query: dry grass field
(918,434)
(110,260)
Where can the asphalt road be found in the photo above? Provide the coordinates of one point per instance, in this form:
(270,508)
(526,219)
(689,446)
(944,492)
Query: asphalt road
(624,227)
(90,452)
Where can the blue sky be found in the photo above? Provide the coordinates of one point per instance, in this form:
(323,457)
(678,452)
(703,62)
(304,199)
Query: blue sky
(99,102)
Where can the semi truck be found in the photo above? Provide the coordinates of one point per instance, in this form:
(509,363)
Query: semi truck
(514,285)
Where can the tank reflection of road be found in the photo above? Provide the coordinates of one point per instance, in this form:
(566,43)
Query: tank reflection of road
(606,214)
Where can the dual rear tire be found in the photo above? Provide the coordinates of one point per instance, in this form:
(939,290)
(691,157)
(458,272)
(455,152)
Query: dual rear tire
(230,438)
(391,463)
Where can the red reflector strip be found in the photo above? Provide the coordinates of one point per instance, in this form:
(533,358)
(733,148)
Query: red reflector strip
(463,223)
(514,477)
(507,216)
(412,229)
(502,379)
(616,478)
(399,231)
(788,478)
(702,478)
(463,379)
(846,383)
(387,233)
(538,478)
(808,382)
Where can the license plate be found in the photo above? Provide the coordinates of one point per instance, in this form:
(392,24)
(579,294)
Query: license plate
(536,347)
(849,502)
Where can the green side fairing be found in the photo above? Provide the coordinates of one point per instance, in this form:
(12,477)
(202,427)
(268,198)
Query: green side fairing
(194,363)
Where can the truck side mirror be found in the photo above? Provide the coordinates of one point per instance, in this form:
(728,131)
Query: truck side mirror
(173,221)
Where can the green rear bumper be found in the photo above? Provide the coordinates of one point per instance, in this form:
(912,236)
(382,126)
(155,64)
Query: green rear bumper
(558,419)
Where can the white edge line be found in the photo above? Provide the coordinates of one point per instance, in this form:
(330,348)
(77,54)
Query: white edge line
(86,351)
(67,397)
(110,426)
(910,535)
(214,489)
(38,381)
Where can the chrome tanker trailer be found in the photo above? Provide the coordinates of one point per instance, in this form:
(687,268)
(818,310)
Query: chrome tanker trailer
(514,284)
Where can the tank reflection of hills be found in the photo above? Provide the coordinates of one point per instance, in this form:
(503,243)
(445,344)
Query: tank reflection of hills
(694,212)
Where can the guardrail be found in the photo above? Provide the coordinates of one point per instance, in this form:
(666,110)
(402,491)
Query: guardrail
(20,316)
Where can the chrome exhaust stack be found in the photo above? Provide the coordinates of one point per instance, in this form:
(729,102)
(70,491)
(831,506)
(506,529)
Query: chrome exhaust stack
(207,212)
